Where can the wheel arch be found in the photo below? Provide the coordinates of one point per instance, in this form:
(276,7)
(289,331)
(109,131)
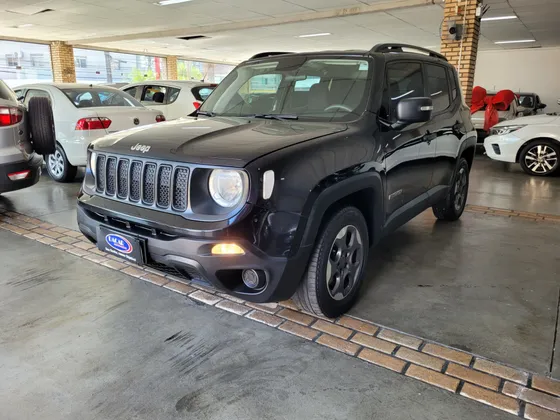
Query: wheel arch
(518,155)
(363,191)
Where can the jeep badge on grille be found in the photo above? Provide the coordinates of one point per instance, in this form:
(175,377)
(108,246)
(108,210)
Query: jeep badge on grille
(141,148)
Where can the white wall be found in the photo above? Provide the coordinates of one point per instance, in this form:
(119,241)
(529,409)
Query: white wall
(527,70)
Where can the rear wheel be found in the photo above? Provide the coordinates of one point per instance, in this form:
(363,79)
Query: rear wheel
(58,166)
(452,206)
(540,157)
(335,271)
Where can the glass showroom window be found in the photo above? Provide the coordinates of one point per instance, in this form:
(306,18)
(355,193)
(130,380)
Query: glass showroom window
(202,71)
(94,66)
(22,62)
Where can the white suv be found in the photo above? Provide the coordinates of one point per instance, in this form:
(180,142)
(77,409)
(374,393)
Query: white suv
(533,142)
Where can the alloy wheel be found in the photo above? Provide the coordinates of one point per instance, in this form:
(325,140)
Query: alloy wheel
(541,159)
(56,164)
(460,190)
(345,262)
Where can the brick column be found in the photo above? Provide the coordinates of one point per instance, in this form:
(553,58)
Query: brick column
(171,67)
(462,54)
(62,60)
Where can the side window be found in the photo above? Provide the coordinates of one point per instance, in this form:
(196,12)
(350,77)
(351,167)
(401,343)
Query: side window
(403,80)
(454,87)
(34,93)
(132,91)
(172,94)
(155,95)
(438,87)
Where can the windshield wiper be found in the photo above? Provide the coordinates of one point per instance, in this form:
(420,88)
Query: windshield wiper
(206,113)
(280,117)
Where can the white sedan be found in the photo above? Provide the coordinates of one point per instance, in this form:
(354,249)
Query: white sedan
(83,113)
(173,98)
(533,142)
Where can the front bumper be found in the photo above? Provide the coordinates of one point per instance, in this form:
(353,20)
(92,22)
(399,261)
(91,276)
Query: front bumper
(187,253)
(34,166)
(503,148)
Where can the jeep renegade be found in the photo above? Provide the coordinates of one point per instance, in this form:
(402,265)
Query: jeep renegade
(285,177)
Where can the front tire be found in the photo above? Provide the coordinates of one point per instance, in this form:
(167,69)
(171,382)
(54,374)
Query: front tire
(540,158)
(453,205)
(335,271)
(58,166)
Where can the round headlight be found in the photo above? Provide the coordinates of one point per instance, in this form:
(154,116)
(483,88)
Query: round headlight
(226,187)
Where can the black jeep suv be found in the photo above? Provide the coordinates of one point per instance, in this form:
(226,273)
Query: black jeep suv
(290,171)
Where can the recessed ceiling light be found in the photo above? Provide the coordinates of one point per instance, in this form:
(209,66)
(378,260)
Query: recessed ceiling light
(517,41)
(168,2)
(487,19)
(312,35)
(25,25)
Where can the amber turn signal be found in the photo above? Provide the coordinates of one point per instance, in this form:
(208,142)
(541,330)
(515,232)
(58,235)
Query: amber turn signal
(227,249)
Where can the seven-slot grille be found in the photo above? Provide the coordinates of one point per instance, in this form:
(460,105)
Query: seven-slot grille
(144,183)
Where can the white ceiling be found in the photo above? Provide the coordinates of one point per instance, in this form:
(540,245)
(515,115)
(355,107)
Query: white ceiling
(139,25)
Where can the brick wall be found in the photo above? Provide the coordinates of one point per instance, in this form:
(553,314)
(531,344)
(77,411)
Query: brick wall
(172,67)
(462,54)
(62,59)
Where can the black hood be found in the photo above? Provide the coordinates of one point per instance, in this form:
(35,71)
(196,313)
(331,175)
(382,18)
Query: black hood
(214,141)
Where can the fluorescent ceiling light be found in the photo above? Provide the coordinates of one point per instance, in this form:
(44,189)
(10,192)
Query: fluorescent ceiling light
(518,41)
(25,25)
(487,19)
(312,35)
(168,2)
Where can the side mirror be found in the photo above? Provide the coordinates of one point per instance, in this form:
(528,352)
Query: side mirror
(20,99)
(541,106)
(413,110)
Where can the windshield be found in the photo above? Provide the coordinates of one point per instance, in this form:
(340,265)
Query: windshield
(324,89)
(527,101)
(96,97)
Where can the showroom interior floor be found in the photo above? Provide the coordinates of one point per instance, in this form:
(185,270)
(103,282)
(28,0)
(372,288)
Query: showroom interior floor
(78,340)
(486,285)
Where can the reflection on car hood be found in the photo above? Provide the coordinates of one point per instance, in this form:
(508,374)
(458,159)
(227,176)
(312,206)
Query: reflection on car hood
(533,119)
(214,141)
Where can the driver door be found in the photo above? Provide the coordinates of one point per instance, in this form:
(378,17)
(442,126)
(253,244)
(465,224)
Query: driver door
(408,156)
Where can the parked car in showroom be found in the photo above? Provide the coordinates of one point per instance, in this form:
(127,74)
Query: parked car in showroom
(83,113)
(533,142)
(294,167)
(530,104)
(479,116)
(26,133)
(174,98)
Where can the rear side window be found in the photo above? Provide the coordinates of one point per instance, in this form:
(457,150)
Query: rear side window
(6,93)
(404,80)
(155,95)
(437,87)
(200,93)
(97,97)
(132,91)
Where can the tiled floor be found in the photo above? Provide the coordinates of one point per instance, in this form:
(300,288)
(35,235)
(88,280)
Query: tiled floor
(486,285)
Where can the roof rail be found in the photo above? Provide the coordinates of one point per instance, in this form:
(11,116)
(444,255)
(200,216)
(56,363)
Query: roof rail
(268,54)
(387,48)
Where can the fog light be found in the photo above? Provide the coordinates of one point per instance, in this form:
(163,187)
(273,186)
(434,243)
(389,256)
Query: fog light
(18,176)
(227,249)
(254,279)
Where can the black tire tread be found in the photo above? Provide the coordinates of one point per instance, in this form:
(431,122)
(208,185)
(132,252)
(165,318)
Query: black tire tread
(445,210)
(41,123)
(306,296)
